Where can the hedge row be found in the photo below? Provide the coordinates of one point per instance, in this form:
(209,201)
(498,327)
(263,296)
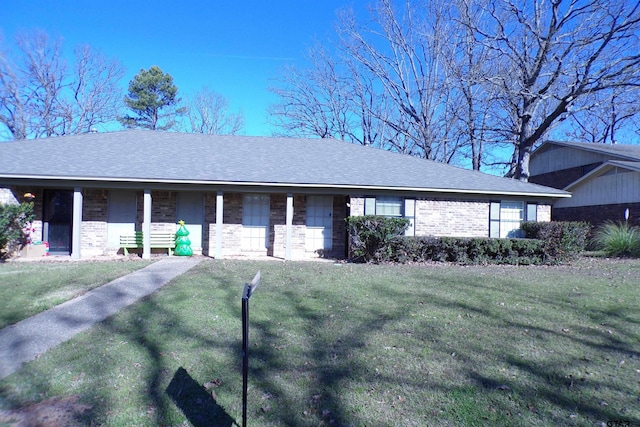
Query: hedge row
(380,239)
(467,250)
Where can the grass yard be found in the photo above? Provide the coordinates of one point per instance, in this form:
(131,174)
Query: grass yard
(359,345)
(28,288)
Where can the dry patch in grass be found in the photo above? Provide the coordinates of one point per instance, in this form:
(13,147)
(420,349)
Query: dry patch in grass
(54,412)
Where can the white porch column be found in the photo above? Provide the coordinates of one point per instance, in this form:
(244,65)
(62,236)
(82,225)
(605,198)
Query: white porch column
(219,219)
(76,225)
(146,225)
(289,227)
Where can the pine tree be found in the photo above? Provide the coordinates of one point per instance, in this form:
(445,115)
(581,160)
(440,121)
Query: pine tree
(153,98)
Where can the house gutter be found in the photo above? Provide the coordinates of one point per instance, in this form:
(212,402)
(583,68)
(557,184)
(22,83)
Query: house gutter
(42,179)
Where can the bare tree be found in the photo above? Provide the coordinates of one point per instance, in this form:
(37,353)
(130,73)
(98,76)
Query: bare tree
(605,120)
(470,98)
(208,112)
(95,93)
(13,101)
(314,101)
(40,96)
(448,80)
(552,55)
(384,86)
(400,48)
(333,98)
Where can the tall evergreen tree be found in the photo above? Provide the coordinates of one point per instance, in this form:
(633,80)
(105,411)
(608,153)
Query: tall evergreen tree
(153,98)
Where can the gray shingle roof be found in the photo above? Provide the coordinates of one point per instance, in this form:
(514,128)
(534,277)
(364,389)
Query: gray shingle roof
(620,151)
(148,156)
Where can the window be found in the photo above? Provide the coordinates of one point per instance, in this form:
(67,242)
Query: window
(255,222)
(383,206)
(505,218)
(391,206)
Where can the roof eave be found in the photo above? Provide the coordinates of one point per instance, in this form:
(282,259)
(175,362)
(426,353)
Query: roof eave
(587,147)
(360,188)
(597,171)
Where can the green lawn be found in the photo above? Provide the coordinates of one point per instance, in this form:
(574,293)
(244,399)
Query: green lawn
(345,344)
(28,288)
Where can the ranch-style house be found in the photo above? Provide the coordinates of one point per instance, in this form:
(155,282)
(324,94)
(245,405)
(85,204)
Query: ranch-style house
(247,196)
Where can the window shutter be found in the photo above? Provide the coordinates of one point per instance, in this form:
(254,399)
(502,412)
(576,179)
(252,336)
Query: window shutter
(370,206)
(410,214)
(494,220)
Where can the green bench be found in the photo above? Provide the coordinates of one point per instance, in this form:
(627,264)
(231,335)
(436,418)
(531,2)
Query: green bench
(157,239)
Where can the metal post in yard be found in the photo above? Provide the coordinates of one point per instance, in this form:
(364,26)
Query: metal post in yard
(249,288)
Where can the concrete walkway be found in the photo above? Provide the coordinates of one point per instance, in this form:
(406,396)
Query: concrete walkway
(25,340)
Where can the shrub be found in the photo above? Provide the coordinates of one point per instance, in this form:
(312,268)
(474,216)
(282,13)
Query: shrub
(13,220)
(380,239)
(467,251)
(563,241)
(618,239)
(370,236)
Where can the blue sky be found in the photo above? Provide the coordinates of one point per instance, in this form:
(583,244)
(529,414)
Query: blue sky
(235,48)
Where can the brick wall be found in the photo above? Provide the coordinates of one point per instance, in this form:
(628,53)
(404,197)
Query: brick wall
(278,229)
(543,213)
(433,217)
(339,243)
(455,218)
(93,237)
(232,224)
(36,226)
(94,205)
(208,238)
(357,205)
(7,197)
(163,211)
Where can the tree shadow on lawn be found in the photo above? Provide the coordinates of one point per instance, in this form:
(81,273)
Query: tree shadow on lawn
(322,367)
(147,330)
(324,362)
(326,366)
(198,405)
(556,371)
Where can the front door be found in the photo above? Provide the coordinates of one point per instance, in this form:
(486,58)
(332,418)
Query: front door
(319,223)
(121,215)
(190,209)
(58,219)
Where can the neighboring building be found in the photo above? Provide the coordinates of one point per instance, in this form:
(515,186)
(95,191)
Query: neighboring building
(604,180)
(240,195)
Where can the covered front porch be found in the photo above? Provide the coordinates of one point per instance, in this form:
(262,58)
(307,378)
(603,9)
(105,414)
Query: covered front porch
(89,221)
